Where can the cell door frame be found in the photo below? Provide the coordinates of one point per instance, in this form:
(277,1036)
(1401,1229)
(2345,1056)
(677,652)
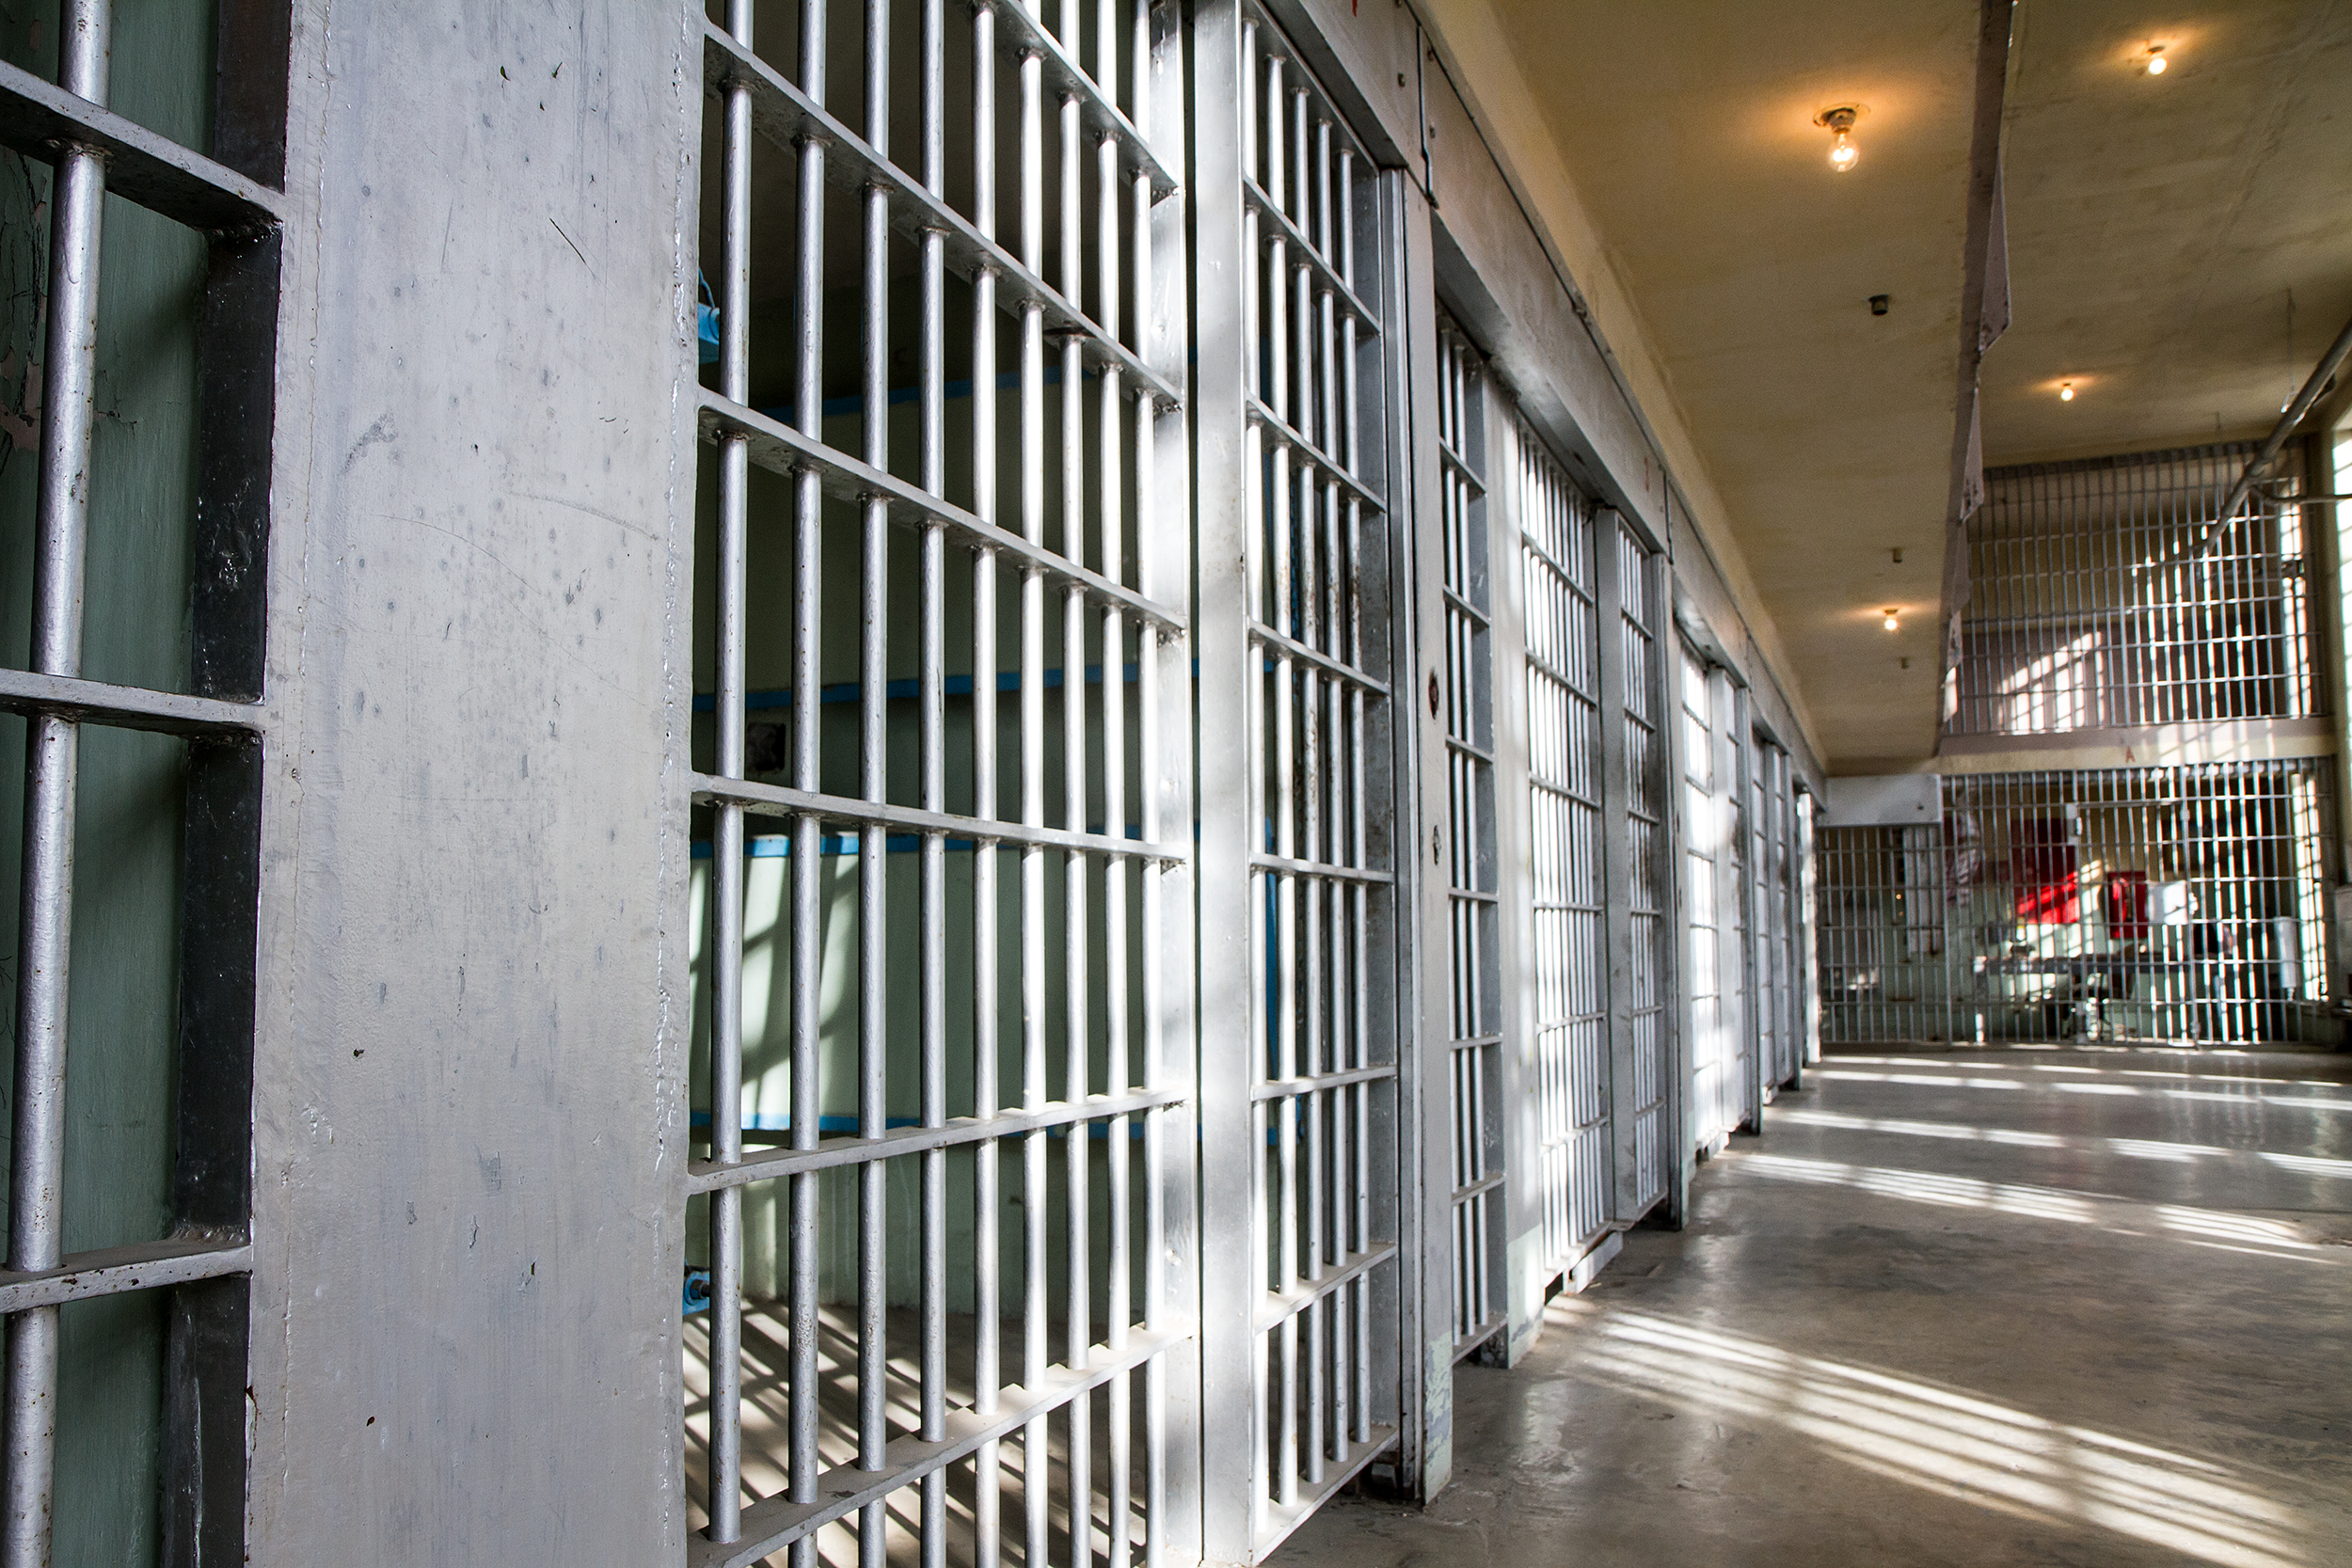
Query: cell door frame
(1252,1489)
(1468,1013)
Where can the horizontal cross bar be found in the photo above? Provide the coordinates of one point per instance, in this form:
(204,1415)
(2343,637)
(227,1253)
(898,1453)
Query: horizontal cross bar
(1325,274)
(775,801)
(706,1176)
(780,447)
(125,707)
(772,1523)
(1284,1088)
(117,1271)
(1287,647)
(786,115)
(37,118)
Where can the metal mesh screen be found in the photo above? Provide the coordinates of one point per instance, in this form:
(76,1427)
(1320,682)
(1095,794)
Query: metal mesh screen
(943,1089)
(2108,594)
(2180,904)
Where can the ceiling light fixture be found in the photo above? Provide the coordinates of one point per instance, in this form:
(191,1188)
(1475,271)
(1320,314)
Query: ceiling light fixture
(2155,59)
(1839,121)
(1892,625)
(2066,391)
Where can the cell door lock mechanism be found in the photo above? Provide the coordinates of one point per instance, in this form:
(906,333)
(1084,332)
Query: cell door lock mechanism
(1434,698)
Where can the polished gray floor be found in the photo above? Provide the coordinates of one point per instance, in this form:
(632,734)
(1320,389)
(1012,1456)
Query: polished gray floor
(2048,1307)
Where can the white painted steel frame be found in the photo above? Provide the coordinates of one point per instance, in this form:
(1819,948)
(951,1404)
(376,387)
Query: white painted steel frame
(1568,1032)
(1100,85)
(1474,1026)
(94,154)
(1649,1033)
(1723,1090)
(1299,896)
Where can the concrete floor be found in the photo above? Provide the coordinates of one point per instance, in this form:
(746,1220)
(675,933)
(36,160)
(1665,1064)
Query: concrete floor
(2046,1307)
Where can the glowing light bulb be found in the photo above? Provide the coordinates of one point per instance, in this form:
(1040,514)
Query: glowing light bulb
(1838,122)
(2066,392)
(2155,59)
(1892,625)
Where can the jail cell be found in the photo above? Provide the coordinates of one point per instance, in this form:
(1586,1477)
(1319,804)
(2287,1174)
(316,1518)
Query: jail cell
(2182,902)
(1472,908)
(1767,869)
(1808,931)
(1568,1031)
(1715,896)
(1300,1153)
(1740,1000)
(1788,917)
(2109,594)
(1880,932)
(943,1085)
(142,214)
(1643,1043)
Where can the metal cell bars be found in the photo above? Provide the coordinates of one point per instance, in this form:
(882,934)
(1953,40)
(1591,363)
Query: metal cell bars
(2106,595)
(1773,858)
(1472,905)
(1702,831)
(1737,886)
(1713,897)
(1323,1103)
(1644,1084)
(2180,904)
(1879,932)
(1569,1044)
(92,155)
(990,1043)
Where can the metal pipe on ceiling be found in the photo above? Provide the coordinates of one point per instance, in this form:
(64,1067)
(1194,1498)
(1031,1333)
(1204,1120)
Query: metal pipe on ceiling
(2327,366)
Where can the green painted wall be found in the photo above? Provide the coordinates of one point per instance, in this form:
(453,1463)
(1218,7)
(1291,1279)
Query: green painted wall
(127,843)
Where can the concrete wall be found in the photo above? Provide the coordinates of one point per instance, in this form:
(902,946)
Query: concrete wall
(469,1128)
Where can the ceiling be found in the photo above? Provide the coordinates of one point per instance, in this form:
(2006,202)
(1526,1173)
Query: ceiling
(2154,226)
(2157,225)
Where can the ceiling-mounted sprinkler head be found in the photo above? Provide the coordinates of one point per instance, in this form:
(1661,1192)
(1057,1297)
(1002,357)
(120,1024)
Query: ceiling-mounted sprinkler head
(1839,122)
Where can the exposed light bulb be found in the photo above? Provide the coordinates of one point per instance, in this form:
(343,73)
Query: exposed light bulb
(2066,392)
(2155,59)
(1838,122)
(1892,625)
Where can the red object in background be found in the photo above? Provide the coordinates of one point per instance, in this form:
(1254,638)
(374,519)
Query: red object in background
(2127,906)
(2041,865)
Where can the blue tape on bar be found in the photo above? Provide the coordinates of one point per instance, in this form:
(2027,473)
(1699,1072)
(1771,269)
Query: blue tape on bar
(697,1293)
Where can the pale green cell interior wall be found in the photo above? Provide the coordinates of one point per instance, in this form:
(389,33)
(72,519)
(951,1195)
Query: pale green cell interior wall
(127,842)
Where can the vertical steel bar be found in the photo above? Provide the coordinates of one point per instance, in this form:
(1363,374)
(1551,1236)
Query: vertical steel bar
(808,318)
(1109,199)
(987,1473)
(51,757)
(932,681)
(1035,1464)
(726,863)
(873,1290)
